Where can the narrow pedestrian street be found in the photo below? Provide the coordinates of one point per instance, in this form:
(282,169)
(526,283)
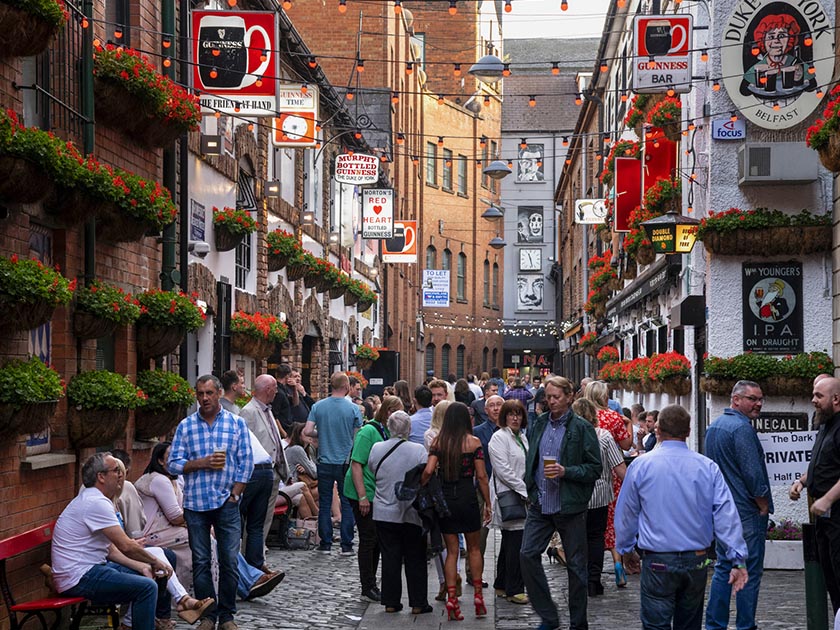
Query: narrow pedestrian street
(321,592)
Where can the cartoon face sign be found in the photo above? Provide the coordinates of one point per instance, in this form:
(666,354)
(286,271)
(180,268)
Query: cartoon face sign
(773,300)
(529,293)
(530,164)
(529,225)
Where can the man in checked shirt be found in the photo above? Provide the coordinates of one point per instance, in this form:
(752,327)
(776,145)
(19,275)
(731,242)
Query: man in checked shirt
(212,450)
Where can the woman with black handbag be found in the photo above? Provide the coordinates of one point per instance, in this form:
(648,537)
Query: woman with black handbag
(508,450)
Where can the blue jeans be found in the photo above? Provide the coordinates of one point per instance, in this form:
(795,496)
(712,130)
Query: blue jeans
(329,474)
(248,576)
(253,507)
(539,528)
(673,588)
(112,583)
(226,524)
(746,600)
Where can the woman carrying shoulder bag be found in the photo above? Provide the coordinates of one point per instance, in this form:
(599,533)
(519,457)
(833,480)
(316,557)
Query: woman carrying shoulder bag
(508,449)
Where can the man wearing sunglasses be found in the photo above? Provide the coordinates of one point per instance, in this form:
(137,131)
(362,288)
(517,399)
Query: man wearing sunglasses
(731,441)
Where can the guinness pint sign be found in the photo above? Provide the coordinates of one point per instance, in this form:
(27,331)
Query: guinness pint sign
(774,56)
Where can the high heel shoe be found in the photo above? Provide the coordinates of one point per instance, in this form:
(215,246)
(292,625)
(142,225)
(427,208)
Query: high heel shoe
(556,555)
(453,607)
(620,575)
(478,600)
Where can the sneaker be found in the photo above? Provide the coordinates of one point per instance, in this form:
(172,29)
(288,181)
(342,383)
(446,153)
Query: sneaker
(372,594)
(519,598)
(347,552)
(324,550)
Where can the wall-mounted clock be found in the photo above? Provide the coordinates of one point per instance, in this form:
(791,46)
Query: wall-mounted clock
(530,259)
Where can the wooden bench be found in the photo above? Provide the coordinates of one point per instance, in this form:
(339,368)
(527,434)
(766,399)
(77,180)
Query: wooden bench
(20,614)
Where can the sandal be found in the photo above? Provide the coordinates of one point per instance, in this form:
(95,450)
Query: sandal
(191,615)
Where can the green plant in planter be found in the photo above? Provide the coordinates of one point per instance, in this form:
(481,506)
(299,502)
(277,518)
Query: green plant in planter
(108,302)
(234,221)
(784,530)
(101,389)
(756,367)
(168,308)
(668,364)
(824,128)
(25,381)
(367,351)
(759,218)
(52,11)
(663,191)
(805,365)
(283,243)
(361,289)
(608,354)
(164,389)
(666,112)
(589,339)
(326,270)
(30,281)
(260,326)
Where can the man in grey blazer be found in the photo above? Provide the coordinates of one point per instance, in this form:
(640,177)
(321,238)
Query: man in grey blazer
(257,414)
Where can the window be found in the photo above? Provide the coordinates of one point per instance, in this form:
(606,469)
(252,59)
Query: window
(459,361)
(446,265)
(444,360)
(430,357)
(462,174)
(461,286)
(447,169)
(495,357)
(485,355)
(485,179)
(246,199)
(431,163)
(243,261)
(418,42)
(117,20)
(495,288)
(486,283)
(431,257)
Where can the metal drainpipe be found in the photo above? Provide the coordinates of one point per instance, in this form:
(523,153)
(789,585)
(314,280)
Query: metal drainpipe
(184,193)
(169,275)
(88,140)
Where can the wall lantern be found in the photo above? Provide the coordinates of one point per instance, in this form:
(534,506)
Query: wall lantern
(211,144)
(671,233)
(272,188)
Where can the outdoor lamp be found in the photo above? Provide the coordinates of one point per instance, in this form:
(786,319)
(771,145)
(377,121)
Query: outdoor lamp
(497,242)
(671,233)
(333,237)
(307,217)
(488,69)
(272,188)
(211,144)
(497,170)
(493,212)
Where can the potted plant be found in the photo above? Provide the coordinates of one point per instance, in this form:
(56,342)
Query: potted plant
(30,291)
(672,371)
(165,319)
(783,546)
(790,375)
(256,334)
(636,242)
(359,376)
(608,354)
(824,135)
(98,404)
(28,26)
(664,195)
(312,277)
(231,226)
(299,266)
(596,303)
(324,274)
(25,159)
(622,148)
(366,355)
(667,116)
(737,232)
(589,342)
(365,295)
(282,247)
(100,308)
(133,97)
(340,286)
(29,393)
(167,398)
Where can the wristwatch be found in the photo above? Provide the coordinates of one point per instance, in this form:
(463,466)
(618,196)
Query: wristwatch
(234,497)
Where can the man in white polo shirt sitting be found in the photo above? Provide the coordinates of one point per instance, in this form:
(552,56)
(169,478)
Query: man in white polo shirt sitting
(92,557)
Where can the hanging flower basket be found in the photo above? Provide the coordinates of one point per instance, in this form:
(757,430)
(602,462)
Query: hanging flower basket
(645,255)
(118,227)
(830,153)
(296,271)
(786,386)
(90,326)
(225,239)
(324,285)
(276,262)
(363,305)
(89,428)
(311,280)
(350,298)
(364,364)
(251,346)
(28,418)
(25,315)
(71,206)
(717,386)
(786,241)
(672,132)
(24,33)
(22,181)
(676,386)
(337,290)
(149,425)
(156,341)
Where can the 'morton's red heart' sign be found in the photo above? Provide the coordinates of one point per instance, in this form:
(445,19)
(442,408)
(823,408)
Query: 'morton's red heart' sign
(378,213)
(377,209)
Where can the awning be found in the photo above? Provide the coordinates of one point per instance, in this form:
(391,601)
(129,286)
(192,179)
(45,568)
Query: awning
(652,281)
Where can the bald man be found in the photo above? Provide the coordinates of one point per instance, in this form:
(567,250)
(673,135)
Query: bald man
(260,419)
(823,482)
(815,423)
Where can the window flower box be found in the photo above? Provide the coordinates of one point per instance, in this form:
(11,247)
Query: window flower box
(763,232)
(29,26)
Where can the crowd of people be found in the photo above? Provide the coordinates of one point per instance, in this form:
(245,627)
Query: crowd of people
(413,477)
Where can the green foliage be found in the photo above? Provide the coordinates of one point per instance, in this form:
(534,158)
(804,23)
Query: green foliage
(164,389)
(52,11)
(282,243)
(101,389)
(752,366)
(30,281)
(168,308)
(737,219)
(24,381)
(108,302)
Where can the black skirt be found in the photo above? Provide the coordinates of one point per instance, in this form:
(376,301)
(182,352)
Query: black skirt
(464,515)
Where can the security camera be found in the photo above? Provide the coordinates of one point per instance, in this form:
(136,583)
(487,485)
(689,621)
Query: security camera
(199,248)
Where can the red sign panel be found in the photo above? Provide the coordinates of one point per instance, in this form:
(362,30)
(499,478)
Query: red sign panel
(660,162)
(628,190)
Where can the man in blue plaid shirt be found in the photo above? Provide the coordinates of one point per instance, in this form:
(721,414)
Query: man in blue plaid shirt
(212,450)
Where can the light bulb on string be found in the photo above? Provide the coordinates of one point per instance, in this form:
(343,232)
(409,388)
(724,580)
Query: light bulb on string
(578,99)
(166,43)
(555,68)
(400,138)
(440,141)
(532,101)
(604,67)
(624,98)
(264,55)
(342,6)
(440,99)
(409,67)
(287,4)
(304,89)
(118,34)
(733,117)
(808,41)
(565,141)
(506,70)
(350,94)
(250,126)
(397,7)
(395,97)
(671,91)
(360,65)
(704,56)
(214,73)
(523,144)
(564,6)
(312,63)
(456,70)
(508,6)
(258,82)
(167,62)
(483,142)
(486,99)
(85,23)
(453,7)
(217,114)
(716,86)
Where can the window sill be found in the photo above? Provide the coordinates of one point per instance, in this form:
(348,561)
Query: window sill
(463,195)
(432,185)
(449,190)
(461,301)
(48,460)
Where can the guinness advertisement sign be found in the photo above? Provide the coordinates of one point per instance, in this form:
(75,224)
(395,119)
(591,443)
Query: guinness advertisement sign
(774,56)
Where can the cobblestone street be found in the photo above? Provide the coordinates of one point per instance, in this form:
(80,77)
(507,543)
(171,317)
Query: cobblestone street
(322,591)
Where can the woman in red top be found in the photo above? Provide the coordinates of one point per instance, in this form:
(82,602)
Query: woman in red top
(598,393)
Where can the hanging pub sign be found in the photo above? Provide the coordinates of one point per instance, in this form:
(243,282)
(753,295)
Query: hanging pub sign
(402,246)
(628,191)
(662,47)
(774,56)
(772,307)
(356,169)
(235,61)
(298,107)
(378,213)
(591,211)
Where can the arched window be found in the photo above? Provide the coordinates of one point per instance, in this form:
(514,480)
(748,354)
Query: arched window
(459,361)
(486,283)
(430,357)
(495,357)
(446,265)
(485,355)
(444,360)
(431,257)
(461,286)
(495,288)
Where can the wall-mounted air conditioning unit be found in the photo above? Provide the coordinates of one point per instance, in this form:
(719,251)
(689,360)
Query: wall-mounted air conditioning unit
(776,163)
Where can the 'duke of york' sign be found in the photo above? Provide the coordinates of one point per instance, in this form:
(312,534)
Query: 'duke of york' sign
(774,57)
(772,307)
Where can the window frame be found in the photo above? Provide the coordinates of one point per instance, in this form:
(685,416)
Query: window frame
(431,164)
(446,176)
